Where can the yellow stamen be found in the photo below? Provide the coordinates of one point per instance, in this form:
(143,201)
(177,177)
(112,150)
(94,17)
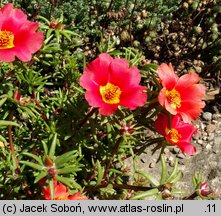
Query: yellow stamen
(173,97)
(173,134)
(110,93)
(6,40)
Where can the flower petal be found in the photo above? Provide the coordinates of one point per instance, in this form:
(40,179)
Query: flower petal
(77,196)
(133,97)
(7,55)
(93,98)
(190,110)
(96,72)
(195,92)
(187,148)
(60,191)
(167,76)
(26,40)
(123,76)
(187,80)
(161,123)
(186,131)
(108,109)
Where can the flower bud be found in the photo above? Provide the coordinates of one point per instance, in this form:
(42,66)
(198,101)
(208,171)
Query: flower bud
(204,189)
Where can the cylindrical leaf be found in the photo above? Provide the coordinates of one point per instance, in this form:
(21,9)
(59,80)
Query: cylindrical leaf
(145,194)
(149,177)
(164,170)
(33,165)
(7,123)
(174,172)
(53,146)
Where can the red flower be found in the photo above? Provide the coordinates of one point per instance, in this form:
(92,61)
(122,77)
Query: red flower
(111,82)
(179,134)
(18,36)
(181,95)
(61,193)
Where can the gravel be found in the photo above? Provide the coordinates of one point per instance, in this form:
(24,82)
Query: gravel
(206,161)
(207,116)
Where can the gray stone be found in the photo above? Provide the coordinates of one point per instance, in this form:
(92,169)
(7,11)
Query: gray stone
(209,147)
(207,116)
(210,128)
(216,116)
(200,141)
(197,135)
(211,136)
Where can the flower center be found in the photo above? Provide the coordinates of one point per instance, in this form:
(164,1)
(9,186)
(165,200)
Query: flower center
(6,40)
(174,98)
(173,134)
(110,93)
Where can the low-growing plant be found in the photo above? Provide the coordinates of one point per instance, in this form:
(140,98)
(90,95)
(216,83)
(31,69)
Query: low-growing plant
(69,124)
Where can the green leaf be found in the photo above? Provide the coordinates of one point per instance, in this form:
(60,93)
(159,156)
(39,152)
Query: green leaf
(177,178)
(152,67)
(68,181)
(2,101)
(48,37)
(145,194)
(149,177)
(7,123)
(164,170)
(100,172)
(174,172)
(33,165)
(45,147)
(65,34)
(53,146)
(57,34)
(51,186)
(38,159)
(44,19)
(2,139)
(68,169)
(194,182)
(178,191)
(64,158)
(71,33)
(40,176)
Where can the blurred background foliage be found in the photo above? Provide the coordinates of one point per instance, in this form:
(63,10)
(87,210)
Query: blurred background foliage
(183,32)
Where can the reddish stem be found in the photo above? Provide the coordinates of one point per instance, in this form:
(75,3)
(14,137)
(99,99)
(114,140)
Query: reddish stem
(120,186)
(89,114)
(11,141)
(114,151)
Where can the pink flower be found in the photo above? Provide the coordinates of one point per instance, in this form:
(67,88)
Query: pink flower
(18,36)
(181,95)
(204,189)
(179,134)
(111,83)
(61,193)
